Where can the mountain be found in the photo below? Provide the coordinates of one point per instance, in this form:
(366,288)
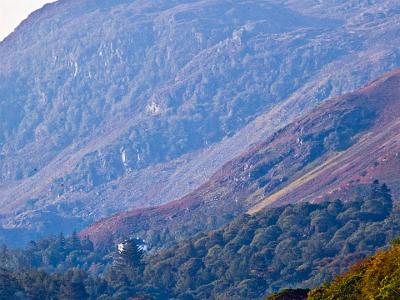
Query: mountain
(341,145)
(110,105)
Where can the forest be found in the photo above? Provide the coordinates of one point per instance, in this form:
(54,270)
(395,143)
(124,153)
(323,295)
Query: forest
(298,245)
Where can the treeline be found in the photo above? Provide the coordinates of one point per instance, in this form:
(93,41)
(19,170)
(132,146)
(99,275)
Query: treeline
(296,245)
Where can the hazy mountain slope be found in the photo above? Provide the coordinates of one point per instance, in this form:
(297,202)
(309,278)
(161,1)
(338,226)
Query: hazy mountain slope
(344,143)
(108,105)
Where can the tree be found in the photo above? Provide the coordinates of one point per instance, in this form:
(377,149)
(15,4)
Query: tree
(4,256)
(74,241)
(129,258)
(8,285)
(87,244)
(73,286)
(292,294)
(61,241)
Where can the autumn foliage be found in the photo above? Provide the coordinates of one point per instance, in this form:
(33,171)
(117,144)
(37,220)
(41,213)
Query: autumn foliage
(378,277)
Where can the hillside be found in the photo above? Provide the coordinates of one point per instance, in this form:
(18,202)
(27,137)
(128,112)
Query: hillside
(297,245)
(345,143)
(110,105)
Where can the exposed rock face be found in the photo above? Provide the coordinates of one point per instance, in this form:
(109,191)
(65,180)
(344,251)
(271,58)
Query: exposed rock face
(109,105)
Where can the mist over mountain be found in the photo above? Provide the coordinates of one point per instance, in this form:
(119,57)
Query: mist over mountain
(111,105)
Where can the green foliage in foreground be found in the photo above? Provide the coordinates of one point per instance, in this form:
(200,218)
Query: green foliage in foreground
(296,245)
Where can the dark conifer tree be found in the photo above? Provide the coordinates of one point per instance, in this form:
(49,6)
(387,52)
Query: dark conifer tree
(128,262)
(129,254)
(8,285)
(87,244)
(73,286)
(74,241)
(4,256)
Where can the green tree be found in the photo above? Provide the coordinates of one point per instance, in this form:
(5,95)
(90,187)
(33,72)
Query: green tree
(8,285)
(129,259)
(73,286)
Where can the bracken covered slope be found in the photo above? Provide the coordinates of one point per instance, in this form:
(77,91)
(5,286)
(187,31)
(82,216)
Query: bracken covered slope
(110,105)
(344,143)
